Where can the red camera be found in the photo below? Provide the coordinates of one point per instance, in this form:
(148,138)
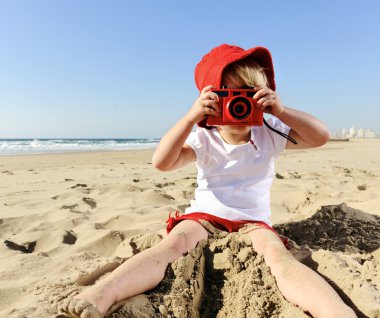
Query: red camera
(238,108)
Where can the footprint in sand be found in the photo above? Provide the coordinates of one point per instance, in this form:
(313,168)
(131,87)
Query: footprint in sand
(79,185)
(83,187)
(9,173)
(167,196)
(69,238)
(69,207)
(166,184)
(90,202)
(26,248)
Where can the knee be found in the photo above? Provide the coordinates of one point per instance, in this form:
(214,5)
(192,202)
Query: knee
(177,243)
(278,258)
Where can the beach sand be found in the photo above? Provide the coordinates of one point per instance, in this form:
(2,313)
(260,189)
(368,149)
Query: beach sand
(67,219)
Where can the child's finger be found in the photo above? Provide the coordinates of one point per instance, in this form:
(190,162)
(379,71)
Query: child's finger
(206,89)
(210,104)
(210,95)
(214,96)
(260,103)
(260,93)
(211,111)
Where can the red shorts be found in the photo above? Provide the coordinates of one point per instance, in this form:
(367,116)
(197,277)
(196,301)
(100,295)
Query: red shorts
(219,223)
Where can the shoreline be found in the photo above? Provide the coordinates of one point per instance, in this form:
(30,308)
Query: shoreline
(151,148)
(74,152)
(71,152)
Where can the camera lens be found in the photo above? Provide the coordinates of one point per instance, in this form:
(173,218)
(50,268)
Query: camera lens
(240,108)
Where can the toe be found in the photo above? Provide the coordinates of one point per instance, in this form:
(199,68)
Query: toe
(72,306)
(77,308)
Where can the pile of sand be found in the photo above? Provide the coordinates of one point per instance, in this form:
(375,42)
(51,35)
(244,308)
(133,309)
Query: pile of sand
(336,228)
(224,277)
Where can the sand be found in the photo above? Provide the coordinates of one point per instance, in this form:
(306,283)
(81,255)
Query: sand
(68,219)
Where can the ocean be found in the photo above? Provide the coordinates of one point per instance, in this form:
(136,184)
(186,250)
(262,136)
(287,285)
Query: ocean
(45,145)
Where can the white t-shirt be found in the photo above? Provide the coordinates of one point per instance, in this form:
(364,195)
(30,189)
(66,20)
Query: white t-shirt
(234,180)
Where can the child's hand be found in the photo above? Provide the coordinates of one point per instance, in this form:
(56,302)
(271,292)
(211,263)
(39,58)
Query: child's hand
(268,101)
(205,104)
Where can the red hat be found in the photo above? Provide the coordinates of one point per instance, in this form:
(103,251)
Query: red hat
(210,69)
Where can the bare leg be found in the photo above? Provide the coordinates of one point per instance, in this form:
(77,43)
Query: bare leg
(140,273)
(298,283)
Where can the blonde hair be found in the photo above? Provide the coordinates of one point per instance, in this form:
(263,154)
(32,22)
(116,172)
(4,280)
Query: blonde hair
(246,73)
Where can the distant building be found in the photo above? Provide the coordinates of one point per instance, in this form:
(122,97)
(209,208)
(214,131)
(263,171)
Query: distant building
(356,133)
(369,133)
(352,132)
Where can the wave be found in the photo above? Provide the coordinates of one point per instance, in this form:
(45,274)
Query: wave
(37,146)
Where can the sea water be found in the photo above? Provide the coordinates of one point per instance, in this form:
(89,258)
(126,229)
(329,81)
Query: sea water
(45,145)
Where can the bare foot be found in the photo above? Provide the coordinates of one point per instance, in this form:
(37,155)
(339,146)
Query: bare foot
(78,308)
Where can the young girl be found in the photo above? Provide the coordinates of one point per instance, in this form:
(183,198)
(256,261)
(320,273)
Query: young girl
(235,171)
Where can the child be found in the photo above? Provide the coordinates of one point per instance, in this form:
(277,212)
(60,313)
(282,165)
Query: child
(235,171)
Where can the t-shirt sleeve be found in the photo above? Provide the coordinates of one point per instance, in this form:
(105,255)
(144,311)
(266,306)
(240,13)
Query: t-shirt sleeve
(196,140)
(279,142)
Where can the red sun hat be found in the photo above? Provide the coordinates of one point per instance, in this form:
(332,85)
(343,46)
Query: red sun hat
(210,69)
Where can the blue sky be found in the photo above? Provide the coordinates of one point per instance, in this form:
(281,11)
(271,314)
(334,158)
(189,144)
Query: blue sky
(125,68)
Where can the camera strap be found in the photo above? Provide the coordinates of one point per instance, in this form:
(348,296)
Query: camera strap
(281,133)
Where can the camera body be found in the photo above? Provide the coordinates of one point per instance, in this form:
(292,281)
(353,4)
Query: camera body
(238,108)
